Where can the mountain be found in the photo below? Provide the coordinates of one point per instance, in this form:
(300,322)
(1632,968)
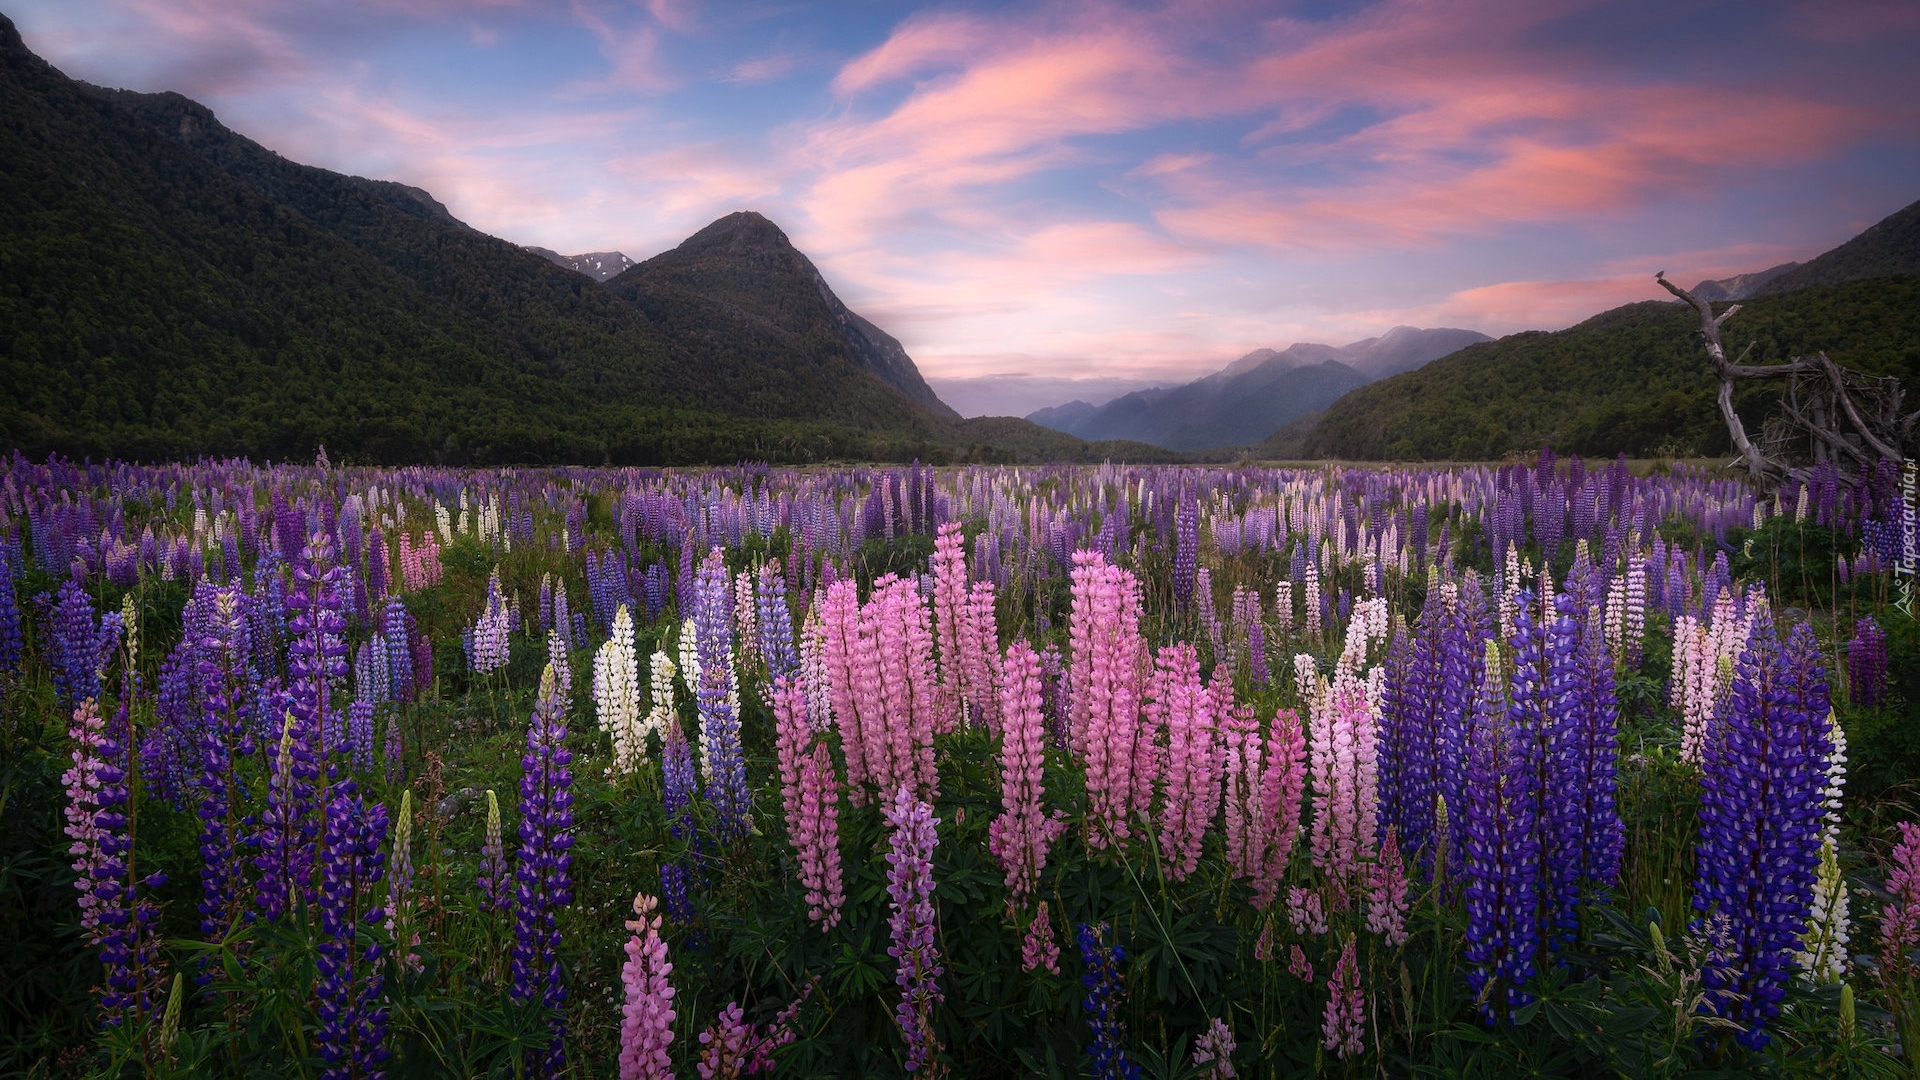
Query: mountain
(741,280)
(1245,401)
(169,288)
(1890,247)
(1740,286)
(598,265)
(1634,379)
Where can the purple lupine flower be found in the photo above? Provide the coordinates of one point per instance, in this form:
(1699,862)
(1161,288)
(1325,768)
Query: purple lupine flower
(676,768)
(1500,853)
(1411,749)
(227,695)
(775,622)
(1104,990)
(1586,760)
(396,633)
(360,735)
(1761,811)
(1463,657)
(127,944)
(496,887)
(910,887)
(1186,554)
(317,656)
(544,881)
(1542,716)
(78,647)
(351,1037)
(1867,664)
(11,644)
(724,760)
(285,829)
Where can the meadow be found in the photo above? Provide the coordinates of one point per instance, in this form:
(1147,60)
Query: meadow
(1542,768)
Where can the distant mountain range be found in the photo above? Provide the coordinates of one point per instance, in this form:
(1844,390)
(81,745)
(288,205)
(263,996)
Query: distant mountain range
(1245,401)
(598,265)
(1634,379)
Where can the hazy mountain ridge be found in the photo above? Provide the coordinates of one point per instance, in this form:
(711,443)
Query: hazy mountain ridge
(1244,402)
(1634,378)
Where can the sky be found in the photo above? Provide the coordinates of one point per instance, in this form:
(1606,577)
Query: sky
(1046,200)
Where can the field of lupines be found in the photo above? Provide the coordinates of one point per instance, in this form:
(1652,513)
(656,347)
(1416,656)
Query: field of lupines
(1117,772)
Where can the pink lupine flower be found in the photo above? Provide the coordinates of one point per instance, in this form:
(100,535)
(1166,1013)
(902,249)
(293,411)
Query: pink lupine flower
(1214,1049)
(1305,911)
(1298,965)
(1900,918)
(1283,782)
(83,783)
(1345,1022)
(725,1044)
(1191,787)
(1038,948)
(646,1028)
(980,653)
(810,798)
(950,612)
(1264,782)
(1387,894)
(1109,672)
(841,656)
(1263,945)
(1345,785)
(1023,834)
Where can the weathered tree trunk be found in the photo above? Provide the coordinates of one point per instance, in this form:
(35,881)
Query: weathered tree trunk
(1829,392)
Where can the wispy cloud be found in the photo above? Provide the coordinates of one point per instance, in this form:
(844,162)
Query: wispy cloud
(1079,188)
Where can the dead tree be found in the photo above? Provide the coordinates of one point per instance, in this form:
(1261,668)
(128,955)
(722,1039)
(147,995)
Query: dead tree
(1828,413)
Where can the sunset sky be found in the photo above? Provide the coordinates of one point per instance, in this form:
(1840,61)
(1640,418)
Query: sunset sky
(1096,191)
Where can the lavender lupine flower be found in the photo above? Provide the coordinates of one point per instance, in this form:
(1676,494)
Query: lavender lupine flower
(1761,813)
(544,870)
(725,762)
(352,1033)
(1501,853)
(1867,664)
(1102,1003)
(496,888)
(910,886)
(488,637)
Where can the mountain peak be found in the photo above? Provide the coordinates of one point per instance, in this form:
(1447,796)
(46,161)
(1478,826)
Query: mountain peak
(745,264)
(601,266)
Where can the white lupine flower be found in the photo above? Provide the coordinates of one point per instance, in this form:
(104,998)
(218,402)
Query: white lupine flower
(616,694)
(1823,951)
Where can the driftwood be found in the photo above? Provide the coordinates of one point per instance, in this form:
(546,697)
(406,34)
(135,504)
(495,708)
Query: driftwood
(1827,412)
